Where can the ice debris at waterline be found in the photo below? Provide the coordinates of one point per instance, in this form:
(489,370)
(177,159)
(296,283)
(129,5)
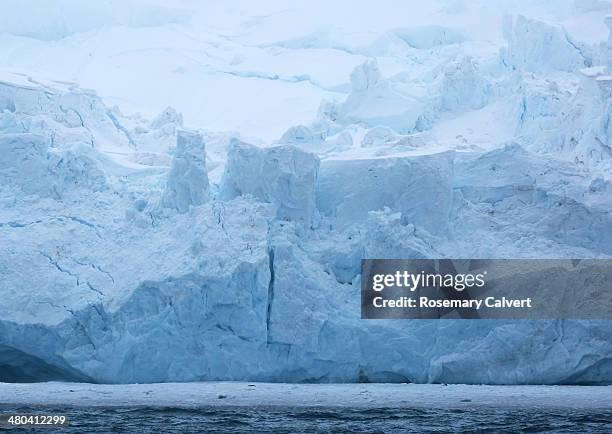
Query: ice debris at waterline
(148,251)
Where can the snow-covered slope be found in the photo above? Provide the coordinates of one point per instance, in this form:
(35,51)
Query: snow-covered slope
(221,239)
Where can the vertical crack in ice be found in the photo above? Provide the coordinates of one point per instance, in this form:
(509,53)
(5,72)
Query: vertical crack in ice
(219,210)
(121,128)
(80,326)
(586,59)
(523,110)
(270,292)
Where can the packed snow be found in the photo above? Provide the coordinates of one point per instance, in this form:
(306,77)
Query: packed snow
(269,395)
(187,188)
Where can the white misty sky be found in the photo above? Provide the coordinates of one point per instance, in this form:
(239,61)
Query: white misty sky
(257,67)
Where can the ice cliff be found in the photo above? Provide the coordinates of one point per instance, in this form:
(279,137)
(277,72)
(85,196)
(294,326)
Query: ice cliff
(135,250)
(187,183)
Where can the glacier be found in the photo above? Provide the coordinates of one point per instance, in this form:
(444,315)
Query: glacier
(192,245)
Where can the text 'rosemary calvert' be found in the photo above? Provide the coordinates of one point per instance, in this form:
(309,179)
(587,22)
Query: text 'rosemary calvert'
(486,288)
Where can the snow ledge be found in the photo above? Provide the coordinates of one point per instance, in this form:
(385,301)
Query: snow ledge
(241,394)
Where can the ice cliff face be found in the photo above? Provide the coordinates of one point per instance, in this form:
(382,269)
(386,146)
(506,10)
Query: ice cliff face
(187,183)
(535,45)
(284,175)
(140,251)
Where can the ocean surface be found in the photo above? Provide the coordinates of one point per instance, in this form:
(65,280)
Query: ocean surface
(318,419)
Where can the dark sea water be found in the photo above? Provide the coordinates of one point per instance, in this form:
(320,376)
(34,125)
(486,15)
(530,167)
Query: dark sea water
(314,420)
